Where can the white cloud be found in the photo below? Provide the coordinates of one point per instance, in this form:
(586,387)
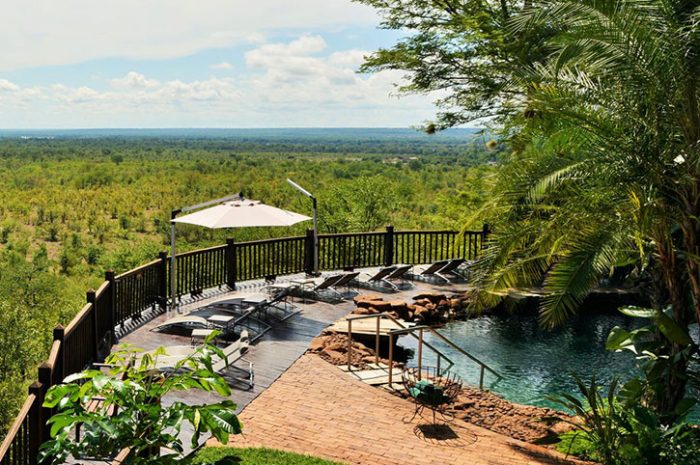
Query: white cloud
(297,83)
(43,33)
(8,86)
(224,65)
(133,80)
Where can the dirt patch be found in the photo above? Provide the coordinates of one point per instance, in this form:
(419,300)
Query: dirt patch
(523,422)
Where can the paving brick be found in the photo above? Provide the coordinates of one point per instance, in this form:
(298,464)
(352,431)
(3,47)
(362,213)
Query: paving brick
(314,408)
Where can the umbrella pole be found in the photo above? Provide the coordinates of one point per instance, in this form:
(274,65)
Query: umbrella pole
(315,236)
(173,290)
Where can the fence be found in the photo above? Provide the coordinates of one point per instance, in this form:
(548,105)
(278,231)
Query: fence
(124,297)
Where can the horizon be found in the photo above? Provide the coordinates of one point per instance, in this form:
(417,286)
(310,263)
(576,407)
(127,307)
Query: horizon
(216,64)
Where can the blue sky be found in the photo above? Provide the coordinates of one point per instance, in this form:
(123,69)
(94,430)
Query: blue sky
(203,63)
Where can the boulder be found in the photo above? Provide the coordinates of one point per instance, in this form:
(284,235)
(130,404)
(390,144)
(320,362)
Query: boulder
(433,297)
(365,311)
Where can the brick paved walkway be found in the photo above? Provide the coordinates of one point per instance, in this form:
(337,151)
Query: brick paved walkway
(316,409)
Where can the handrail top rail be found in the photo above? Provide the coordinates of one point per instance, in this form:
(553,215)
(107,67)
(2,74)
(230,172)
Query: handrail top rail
(78,318)
(53,353)
(410,330)
(274,239)
(400,331)
(136,270)
(438,231)
(16,425)
(465,353)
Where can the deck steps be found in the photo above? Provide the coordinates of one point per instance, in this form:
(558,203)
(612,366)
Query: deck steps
(374,374)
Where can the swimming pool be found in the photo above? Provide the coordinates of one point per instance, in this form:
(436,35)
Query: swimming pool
(535,362)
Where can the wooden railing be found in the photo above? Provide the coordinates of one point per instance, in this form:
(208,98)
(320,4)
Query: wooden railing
(122,298)
(272,257)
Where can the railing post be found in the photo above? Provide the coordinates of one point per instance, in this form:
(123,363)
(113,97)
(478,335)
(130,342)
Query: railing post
(36,423)
(46,382)
(112,289)
(59,334)
(486,230)
(90,298)
(231,263)
(163,277)
(309,252)
(389,246)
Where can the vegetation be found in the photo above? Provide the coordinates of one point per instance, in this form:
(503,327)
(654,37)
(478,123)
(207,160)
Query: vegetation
(597,104)
(134,389)
(72,208)
(254,456)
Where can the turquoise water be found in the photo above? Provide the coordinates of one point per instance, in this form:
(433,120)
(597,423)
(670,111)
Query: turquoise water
(535,362)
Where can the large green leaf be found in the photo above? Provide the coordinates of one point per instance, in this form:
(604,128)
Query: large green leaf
(639,312)
(672,331)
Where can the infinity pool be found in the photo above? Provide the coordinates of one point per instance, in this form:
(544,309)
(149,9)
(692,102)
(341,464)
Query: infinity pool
(535,362)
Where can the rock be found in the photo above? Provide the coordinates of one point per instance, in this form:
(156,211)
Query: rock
(433,297)
(443,303)
(365,311)
(366,297)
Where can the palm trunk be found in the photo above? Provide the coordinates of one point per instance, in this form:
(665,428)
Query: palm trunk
(674,391)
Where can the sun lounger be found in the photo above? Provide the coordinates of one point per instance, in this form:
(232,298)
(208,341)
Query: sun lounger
(450,271)
(378,279)
(399,274)
(232,353)
(423,272)
(191,322)
(326,288)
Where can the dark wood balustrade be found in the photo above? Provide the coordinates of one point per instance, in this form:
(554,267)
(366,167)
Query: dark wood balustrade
(90,334)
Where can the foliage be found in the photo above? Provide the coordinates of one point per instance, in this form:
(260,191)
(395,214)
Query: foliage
(618,430)
(133,389)
(254,456)
(72,208)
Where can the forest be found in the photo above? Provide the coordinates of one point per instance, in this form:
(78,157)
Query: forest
(73,207)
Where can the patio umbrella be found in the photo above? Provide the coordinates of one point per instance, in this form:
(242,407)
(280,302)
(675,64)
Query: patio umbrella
(242,214)
(228,213)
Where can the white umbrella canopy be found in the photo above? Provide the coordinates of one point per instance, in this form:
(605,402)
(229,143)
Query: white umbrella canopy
(242,214)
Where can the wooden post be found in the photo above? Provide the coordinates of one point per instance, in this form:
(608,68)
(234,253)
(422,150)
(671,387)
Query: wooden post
(59,334)
(309,252)
(485,231)
(389,246)
(90,298)
(112,289)
(36,423)
(46,382)
(481,378)
(231,263)
(163,280)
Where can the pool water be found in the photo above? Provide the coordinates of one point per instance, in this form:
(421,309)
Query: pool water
(533,361)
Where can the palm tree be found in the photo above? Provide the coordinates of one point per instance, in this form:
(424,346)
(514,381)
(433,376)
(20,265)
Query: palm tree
(606,167)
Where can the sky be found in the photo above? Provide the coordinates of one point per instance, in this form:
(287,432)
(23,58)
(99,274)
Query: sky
(197,63)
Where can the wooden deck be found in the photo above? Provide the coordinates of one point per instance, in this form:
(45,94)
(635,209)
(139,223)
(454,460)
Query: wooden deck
(272,354)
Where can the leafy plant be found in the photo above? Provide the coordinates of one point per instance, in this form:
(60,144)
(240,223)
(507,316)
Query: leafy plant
(616,430)
(131,415)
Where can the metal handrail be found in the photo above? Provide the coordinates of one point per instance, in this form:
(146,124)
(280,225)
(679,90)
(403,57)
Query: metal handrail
(411,330)
(379,316)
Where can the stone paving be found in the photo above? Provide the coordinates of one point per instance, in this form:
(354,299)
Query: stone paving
(314,408)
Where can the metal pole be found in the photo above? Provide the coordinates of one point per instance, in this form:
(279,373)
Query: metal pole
(173,290)
(315,235)
(349,345)
(391,359)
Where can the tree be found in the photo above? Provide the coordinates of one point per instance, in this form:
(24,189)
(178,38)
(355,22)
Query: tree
(133,389)
(598,103)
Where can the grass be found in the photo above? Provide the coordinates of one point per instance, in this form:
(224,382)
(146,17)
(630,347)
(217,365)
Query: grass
(256,456)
